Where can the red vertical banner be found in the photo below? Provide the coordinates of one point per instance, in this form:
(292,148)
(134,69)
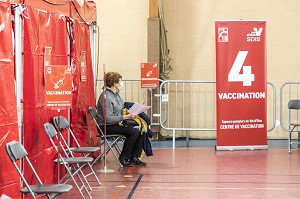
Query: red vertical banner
(149,75)
(241,85)
(58,86)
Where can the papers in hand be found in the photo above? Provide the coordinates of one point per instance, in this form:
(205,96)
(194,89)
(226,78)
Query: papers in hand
(138,108)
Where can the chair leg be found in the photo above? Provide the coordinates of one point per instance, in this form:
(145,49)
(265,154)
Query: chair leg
(111,143)
(93,172)
(115,144)
(70,175)
(298,141)
(289,148)
(83,185)
(84,177)
(78,172)
(117,158)
(96,159)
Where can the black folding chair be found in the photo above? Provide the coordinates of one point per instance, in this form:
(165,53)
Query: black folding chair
(73,165)
(294,107)
(16,151)
(111,139)
(61,123)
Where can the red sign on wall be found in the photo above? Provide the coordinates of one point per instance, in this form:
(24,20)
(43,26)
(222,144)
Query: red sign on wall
(149,75)
(58,82)
(241,85)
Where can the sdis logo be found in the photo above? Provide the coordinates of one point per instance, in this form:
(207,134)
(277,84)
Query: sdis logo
(255,35)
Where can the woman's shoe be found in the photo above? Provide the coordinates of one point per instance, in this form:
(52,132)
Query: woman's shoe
(136,161)
(124,162)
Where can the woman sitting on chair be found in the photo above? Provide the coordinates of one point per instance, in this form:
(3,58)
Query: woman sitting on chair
(114,105)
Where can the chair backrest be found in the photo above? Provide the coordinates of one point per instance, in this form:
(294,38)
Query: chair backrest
(15,151)
(52,134)
(61,122)
(60,140)
(50,130)
(93,112)
(294,104)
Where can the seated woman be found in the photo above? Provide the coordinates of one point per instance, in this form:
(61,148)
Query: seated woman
(114,105)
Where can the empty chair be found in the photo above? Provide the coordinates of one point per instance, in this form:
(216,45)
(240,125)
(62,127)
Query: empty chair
(16,151)
(61,123)
(111,140)
(294,123)
(73,165)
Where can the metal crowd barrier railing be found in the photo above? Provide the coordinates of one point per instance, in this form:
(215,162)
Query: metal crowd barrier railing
(191,106)
(288,91)
(184,105)
(132,92)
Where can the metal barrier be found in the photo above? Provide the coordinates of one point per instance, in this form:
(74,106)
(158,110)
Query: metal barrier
(288,91)
(191,106)
(132,92)
(184,105)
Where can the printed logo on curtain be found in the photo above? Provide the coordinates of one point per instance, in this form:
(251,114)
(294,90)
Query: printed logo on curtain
(149,75)
(241,85)
(58,80)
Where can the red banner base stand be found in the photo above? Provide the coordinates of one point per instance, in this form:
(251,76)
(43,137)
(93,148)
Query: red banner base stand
(236,148)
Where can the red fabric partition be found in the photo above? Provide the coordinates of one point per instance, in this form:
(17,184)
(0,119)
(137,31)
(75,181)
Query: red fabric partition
(9,179)
(38,33)
(43,29)
(39,28)
(83,94)
(87,9)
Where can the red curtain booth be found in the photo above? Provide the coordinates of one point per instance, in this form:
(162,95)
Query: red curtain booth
(45,25)
(9,179)
(83,92)
(38,33)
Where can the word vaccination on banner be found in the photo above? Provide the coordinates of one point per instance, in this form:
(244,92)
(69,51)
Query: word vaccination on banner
(58,84)
(242,124)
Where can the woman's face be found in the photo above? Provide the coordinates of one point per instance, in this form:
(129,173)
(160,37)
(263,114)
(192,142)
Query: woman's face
(119,85)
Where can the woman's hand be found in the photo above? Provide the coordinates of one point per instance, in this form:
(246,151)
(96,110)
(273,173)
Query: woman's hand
(129,116)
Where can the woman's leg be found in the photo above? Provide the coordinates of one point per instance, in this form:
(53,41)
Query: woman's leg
(138,146)
(131,135)
(137,151)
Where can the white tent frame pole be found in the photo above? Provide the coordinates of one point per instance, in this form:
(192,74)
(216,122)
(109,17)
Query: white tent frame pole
(18,43)
(93,41)
(19,68)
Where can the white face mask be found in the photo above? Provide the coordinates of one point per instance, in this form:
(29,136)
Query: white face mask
(121,85)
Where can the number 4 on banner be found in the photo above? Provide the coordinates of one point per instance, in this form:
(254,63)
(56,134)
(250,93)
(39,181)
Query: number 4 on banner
(234,75)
